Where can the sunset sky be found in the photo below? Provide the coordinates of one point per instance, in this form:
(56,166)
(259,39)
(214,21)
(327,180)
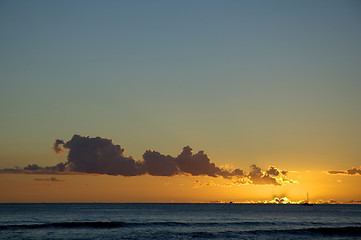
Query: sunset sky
(269,88)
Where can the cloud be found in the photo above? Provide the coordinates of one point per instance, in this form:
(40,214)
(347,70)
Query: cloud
(272,176)
(59,168)
(352,171)
(186,162)
(32,167)
(52,179)
(281,200)
(57,146)
(12,170)
(258,177)
(337,172)
(160,165)
(273,171)
(199,184)
(196,164)
(101,156)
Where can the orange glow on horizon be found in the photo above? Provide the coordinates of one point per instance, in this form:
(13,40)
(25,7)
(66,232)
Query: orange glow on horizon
(103,188)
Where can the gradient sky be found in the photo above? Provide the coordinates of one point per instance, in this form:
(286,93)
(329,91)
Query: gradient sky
(249,82)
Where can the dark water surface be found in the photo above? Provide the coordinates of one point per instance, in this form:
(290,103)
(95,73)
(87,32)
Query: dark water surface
(179,221)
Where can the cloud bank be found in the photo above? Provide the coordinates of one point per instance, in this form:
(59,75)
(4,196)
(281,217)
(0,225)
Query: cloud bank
(352,171)
(101,156)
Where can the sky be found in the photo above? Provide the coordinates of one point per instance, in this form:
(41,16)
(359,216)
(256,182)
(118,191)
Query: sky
(127,88)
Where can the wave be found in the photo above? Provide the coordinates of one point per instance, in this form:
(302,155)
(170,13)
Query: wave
(130,224)
(343,231)
(86,225)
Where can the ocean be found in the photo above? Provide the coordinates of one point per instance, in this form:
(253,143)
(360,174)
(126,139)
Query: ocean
(178,221)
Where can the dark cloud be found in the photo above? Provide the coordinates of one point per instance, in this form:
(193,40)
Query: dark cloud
(186,162)
(352,171)
(238,172)
(258,177)
(60,168)
(32,167)
(57,146)
(12,170)
(52,179)
(160,165)
(196,164)
(101,156)
(273,171)
(337,172)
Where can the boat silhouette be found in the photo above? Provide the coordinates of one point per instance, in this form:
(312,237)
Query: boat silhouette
(307,202)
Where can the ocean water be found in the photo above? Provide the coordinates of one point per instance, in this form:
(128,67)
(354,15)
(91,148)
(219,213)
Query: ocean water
(179,221)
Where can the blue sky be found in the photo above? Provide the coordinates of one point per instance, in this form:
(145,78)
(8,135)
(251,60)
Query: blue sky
(246,81)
